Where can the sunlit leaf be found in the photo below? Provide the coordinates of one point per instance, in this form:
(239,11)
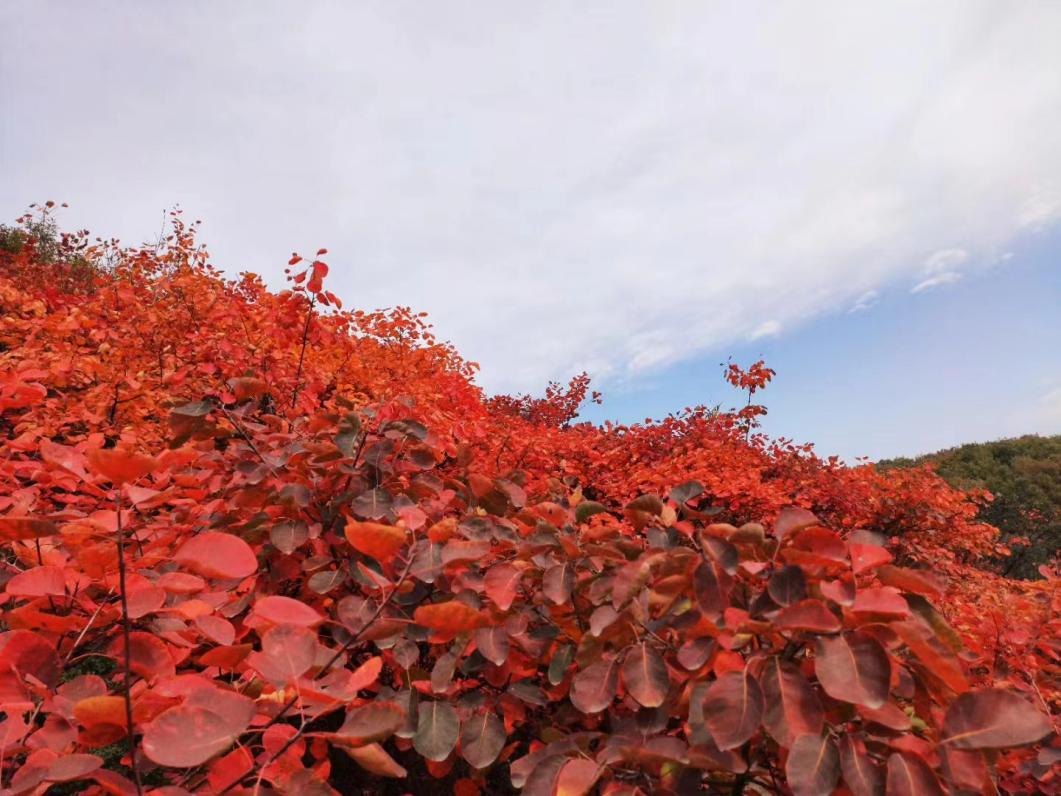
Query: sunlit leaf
(217,555)
(381,542)
(119,466)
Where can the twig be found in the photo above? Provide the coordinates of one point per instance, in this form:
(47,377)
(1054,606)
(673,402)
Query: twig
(84,630)
(302,353)
(127,682)
(324,669)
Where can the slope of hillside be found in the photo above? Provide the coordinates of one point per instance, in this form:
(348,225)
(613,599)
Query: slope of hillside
(1023,476)
(252,540)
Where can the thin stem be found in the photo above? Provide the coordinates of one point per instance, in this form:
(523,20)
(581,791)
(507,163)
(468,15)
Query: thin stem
(127,682)
(302,353)
(323,670)
(84,630)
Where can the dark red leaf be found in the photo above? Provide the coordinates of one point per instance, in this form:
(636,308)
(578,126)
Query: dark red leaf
(853,667)
(813,766)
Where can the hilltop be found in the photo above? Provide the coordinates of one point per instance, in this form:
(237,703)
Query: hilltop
(252,538)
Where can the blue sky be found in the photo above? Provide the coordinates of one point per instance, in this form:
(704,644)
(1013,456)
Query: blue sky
(632,189)
(975,361)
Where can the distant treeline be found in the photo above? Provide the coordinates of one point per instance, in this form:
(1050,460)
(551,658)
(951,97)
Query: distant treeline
(1024,475)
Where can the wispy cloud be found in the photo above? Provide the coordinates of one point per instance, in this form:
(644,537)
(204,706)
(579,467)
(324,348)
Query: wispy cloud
(945,278)
(865,301)
(765,329)
(945,260)
(940,268)
(559,189)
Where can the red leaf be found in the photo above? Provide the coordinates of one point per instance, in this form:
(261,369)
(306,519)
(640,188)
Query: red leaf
(316,280)
(809,615)
(374,721)
(247,387)
(437,729)
(482,739)
(217,555)
(186,736)
(148,655)
(577,777)
(61,456)
(14,529)
(449,618)
(813,766)
(72,767)
(914,581)
(993,719)
(119,466)
(881,601)
(863,776)
(557,583)
(865,557)
(288,651)
(792,519)
(787,586)
(792,707)
(593,688)
(97,710)
(909,775)
(493,644)
(381,542)
(854,668)
(501,583)
(733,709)
(279,610)
(464,550)
(938,660)
(645,676)
(46,581)
(145,600)
(365,675)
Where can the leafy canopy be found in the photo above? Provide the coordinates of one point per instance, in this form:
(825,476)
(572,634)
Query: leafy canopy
(340,564)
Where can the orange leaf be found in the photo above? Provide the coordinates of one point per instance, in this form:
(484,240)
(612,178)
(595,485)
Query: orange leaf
(119,466)
(13,529)
(378,541)
(101,710)
(450,617)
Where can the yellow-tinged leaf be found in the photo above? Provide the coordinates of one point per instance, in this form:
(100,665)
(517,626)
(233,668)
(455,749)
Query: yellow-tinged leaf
(449,617)
(378,541)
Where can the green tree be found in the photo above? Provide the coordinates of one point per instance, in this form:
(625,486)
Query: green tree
(1024,476)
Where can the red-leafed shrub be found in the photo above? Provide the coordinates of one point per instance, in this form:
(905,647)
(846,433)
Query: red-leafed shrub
(257,543)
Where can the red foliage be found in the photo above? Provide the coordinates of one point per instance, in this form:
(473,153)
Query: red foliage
(305,545)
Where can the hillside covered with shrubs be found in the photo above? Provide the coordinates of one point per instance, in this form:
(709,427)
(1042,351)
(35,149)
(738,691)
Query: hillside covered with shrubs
(1023,476)
(259,542)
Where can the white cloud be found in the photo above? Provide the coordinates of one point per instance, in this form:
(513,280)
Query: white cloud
(561,188)
(945,278)
(864,302)
(940,269)
(765,329)
(945,260)
(1040,211)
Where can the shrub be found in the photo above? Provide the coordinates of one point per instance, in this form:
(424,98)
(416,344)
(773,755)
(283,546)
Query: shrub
(313,556)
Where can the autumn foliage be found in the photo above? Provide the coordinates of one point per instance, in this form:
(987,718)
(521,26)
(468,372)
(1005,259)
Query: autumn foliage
(256,542)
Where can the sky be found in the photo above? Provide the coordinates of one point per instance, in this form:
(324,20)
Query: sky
(868,196)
